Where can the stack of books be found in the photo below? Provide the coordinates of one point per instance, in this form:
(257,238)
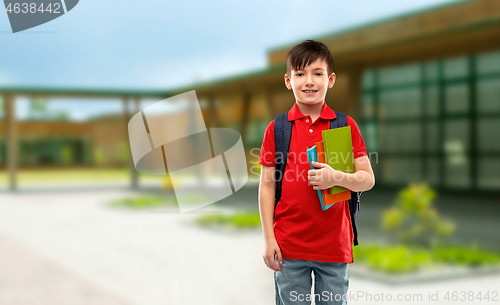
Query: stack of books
(336,151)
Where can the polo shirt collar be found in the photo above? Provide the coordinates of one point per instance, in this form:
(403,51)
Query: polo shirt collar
(326,113)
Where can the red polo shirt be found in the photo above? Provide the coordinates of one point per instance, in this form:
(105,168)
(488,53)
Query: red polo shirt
(301,227)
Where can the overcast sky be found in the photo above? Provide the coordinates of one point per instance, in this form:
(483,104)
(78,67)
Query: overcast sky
(166,44)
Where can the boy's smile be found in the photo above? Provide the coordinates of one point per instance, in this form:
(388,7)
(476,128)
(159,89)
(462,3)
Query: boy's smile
(310,84)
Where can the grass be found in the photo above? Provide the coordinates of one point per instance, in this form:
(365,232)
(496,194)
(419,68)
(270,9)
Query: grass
(465,256)
(238,220)
(56,175)
(150,201)
(141,202)
(73,175)
(402,259)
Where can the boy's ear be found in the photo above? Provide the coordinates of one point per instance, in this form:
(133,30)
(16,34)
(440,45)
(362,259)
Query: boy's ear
(331,80)
(287,82)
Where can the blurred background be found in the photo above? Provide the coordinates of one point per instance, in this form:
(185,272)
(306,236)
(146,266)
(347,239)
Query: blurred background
(79,225)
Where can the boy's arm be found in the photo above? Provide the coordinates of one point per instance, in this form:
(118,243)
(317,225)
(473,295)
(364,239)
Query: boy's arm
(325,177)
(266,207)
(362,180)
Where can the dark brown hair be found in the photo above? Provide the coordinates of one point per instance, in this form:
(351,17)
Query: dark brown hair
(305,54)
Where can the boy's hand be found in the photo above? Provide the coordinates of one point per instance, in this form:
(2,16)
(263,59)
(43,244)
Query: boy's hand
(323,177)
(270,249)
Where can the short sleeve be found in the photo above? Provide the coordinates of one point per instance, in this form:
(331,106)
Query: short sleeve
(267,156)
(358,145)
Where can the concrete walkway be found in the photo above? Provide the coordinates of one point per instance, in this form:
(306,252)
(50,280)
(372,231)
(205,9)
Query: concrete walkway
(143,257)
(65,246)
(28,278)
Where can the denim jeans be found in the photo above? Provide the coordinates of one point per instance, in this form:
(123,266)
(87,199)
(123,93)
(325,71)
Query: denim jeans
(294,281)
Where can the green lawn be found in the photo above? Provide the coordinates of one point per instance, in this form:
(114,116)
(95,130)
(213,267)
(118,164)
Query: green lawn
(74,175)
(402,259)
(90,175)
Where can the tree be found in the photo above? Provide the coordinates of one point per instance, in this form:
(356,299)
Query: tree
(413,220)
(38,108)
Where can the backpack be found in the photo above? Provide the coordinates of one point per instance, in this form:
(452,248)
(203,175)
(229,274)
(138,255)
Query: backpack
(282,137)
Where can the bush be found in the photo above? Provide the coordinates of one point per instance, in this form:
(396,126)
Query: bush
(465,256)
(398,259)
(401,259)
(413,220)
(240,220)
(142,202)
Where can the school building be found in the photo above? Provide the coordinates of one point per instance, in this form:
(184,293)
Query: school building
(424,88)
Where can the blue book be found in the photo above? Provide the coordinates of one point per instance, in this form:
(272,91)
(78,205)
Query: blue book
(312,155)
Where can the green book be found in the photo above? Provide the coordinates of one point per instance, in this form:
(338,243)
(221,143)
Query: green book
(338,152)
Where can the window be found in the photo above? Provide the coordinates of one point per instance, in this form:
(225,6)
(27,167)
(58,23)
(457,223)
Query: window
(437,121)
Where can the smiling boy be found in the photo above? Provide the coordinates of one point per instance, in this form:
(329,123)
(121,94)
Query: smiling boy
(299,236)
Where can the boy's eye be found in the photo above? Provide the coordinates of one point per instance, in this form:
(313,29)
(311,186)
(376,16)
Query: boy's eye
(301,74)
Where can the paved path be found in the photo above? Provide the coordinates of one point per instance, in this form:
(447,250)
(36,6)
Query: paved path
(28,278)
(89,253)
(147,258)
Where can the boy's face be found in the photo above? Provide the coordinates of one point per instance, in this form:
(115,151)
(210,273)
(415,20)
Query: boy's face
(310,84)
